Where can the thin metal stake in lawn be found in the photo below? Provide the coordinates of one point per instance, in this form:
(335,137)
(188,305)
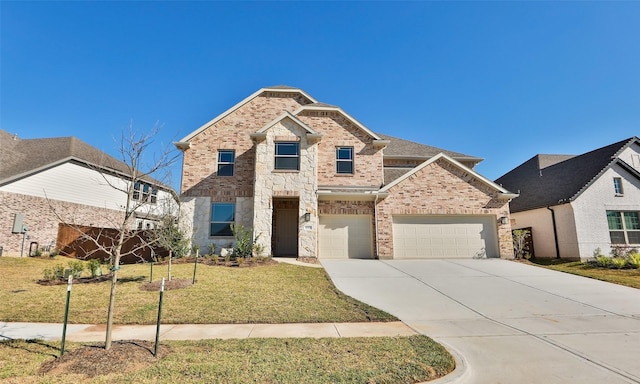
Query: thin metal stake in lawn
(66,314)
(155,349)
(195,265)
(151,274)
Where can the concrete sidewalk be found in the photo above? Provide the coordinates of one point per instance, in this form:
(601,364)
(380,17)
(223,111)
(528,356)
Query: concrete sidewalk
(88,332)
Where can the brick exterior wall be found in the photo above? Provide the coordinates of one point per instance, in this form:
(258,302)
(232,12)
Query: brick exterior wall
(441,188)
(199,170)
(338,131)
(43,222)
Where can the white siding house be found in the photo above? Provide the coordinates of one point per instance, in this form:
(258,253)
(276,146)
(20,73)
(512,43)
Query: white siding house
(578,204)
(47,182)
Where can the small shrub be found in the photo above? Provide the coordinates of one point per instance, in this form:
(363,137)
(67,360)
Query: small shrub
(55,272)
(244,240)
(618,262)
(258,249)
(603,261)
(76,267)
(634,260)
(95,268)
(520,243)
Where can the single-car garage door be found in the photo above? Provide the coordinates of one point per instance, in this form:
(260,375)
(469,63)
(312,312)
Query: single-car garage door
(429,237)
(345,237)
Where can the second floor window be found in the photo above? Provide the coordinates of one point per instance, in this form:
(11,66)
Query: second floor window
(144,192)
(287,156)
(344,159)
(226,162)
(617,185)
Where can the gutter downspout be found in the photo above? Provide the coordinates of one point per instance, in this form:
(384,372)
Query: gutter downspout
(375,219)
(555,231)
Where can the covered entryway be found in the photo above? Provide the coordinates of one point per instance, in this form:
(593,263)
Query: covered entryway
(284,241)
(429,237)
(345,237)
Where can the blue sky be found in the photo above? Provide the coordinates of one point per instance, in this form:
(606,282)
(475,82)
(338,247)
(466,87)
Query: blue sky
(498,80)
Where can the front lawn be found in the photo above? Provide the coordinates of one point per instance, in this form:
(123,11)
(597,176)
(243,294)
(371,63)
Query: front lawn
(351,360)
(279,293)
(628,277)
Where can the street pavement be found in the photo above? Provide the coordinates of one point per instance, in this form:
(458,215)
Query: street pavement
(507,322)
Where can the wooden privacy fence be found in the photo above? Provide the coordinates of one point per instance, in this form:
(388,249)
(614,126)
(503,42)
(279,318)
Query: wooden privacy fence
(78,242)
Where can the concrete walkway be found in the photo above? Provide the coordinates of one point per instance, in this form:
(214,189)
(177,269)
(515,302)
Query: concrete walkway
(508,322)
(87,332)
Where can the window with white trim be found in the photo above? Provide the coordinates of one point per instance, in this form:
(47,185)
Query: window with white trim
(226,162)
(624,227)
(222,216)
(344,160)
(617,186)
(287,156)
(144,192)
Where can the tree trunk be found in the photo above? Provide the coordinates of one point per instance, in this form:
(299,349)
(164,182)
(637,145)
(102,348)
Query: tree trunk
(170,256)
(112,302)
(112,294)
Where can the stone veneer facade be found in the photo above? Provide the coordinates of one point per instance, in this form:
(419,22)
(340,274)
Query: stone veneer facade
(301,184)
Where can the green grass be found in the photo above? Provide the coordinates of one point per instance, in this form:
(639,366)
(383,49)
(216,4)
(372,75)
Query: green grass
(352,360)
(280,293)
(628,277)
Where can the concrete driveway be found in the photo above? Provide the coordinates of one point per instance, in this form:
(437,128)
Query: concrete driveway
(509,322)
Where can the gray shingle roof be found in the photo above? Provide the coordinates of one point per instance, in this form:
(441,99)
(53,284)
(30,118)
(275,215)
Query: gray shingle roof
(546,180)
(324,105)
(20,157)
(405,148)
(391,174)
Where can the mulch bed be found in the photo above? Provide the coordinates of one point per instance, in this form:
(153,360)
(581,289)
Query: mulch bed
(124,356)
(168,285)
(76,280)
(220,262)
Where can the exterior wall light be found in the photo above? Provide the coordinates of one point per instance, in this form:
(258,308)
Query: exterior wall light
(307,217)
(503,220)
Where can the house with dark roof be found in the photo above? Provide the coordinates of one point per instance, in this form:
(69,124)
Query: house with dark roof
(312,181)
(52,181)
(576,204)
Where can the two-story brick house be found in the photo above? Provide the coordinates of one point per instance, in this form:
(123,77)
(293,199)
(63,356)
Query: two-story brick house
(314,182)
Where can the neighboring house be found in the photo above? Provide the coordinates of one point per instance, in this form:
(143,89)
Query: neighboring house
(47,182)
(576,204)
(314,182)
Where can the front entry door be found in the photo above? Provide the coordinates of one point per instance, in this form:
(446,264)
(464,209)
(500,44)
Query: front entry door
(285,232)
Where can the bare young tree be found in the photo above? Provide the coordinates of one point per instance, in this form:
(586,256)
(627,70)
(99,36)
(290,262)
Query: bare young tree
(134,178)
(170,236)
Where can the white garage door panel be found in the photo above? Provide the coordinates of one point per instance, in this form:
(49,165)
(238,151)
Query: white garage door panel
(423,237)
(345,237)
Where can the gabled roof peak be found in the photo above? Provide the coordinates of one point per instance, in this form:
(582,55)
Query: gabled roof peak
(546,180)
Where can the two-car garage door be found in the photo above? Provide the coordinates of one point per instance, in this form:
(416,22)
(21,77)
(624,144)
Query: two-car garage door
(427,237)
